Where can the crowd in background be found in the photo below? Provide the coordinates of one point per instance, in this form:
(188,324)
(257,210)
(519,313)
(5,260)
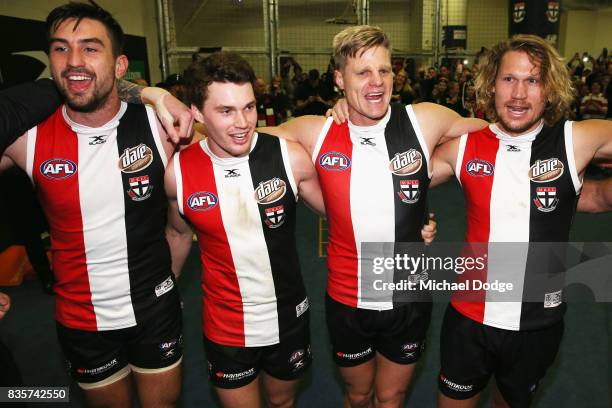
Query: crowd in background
(296,92)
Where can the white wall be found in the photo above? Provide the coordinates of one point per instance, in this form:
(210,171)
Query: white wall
(583,30)
(137,17)
(487,22)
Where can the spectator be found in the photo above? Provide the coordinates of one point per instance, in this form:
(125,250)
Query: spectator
(453,99)
(312,98)
(440,91)
(428,84)
(581,90)
(175,85)
(595,104)
(281,102)
(290,83)
(402,91)
(266,115)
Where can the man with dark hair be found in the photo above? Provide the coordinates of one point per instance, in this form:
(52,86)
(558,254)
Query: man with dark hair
(98,166)
(238,190)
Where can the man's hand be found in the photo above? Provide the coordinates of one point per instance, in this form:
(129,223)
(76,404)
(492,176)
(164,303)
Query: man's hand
(339,111)
(5,304)
(173,114)
(429,230)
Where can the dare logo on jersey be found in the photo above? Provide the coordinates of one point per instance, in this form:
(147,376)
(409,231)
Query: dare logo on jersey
(479,168)
(335,161)
(406,163)
(543,171)
(270,191)
(57,169)
(135,159)
(202,201)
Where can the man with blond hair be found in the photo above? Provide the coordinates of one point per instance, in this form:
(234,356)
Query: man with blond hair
(374,173)
(521,177)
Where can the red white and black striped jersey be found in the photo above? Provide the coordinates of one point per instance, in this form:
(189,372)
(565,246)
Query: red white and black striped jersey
(374,181)
(103,195)
(243,210)
(521,189)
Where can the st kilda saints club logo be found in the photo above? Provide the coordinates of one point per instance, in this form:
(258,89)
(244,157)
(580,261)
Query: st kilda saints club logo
(58,169)
(543,171)
(409,191)
(406,163)
(140,188)
(546,199)
(202,201)
(135,158)
(275,216)
(519,12)
(552,11)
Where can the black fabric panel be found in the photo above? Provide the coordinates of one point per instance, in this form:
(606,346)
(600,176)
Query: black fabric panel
(145,219)
(401,137)
(546,262)
(266,163)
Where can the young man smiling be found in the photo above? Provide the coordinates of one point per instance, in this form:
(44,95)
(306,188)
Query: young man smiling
(98,165)
(238,189)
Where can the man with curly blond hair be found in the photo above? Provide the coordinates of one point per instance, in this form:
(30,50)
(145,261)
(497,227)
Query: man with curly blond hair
(521,178)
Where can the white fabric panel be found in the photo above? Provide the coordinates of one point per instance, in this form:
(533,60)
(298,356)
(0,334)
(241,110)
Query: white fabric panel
(321,138)
(371,196)
(104,233)
(30,149)
(571,159)
(509,223)
(178,178)
(242,222)
(420,137)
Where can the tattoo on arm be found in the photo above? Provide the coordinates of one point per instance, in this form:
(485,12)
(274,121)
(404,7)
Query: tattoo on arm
(129,92)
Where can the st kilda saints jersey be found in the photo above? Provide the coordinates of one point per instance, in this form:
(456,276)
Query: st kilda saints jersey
(519,190)
(103,195)
(374,181)
(243,212)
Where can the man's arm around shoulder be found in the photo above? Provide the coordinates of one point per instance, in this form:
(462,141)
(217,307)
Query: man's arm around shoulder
(439,123)
(304,130)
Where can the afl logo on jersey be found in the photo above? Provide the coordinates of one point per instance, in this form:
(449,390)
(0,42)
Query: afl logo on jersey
(479,168)
(334,161)
(202,201)
(406,163)
(547,170)
(135,159)
(270,191)
(58,169)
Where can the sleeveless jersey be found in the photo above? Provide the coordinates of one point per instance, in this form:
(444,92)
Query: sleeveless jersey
(519,190)
(243,210)
(374,181)
(103,195)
